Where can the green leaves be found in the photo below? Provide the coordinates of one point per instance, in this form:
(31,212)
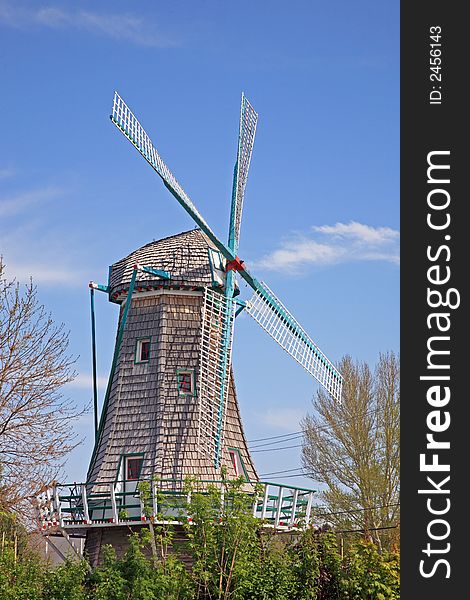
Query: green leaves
(228,555)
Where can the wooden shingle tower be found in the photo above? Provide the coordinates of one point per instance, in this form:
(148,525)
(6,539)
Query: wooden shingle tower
(150,420)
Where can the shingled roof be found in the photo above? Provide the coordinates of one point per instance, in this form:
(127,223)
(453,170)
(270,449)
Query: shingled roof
(184,255)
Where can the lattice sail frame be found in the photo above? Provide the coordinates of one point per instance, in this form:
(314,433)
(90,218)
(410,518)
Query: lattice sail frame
(246,138)
(214,370)
(289,334)
(128,124)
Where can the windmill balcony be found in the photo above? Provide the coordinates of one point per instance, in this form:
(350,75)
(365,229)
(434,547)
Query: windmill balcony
(78,507)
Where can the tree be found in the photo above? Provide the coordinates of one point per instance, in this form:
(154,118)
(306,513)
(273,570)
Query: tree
(35,420)
(352,448)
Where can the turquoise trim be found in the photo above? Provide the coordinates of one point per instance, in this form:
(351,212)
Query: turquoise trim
(227,334)
(117,348)
(232,242)
(229,253)
(157,272)
(241,305)
(93,354)
(237,451)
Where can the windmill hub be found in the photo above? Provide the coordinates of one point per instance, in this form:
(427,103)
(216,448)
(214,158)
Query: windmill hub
(235,265)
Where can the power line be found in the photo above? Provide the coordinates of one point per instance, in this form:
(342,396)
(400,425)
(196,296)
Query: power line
(298,446)
(318,428)
(354,510)
(289,476)
(281,448)
(290,439)
(274,437)
(367,530)
(285,471)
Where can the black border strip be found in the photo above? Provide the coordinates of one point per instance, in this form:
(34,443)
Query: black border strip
(426,128)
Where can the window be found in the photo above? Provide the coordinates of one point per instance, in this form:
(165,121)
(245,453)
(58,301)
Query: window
(237,462)
(133,467)
(236,466)
(142,350)
(185,381)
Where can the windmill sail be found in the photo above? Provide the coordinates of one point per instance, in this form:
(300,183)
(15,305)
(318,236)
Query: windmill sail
(267,310)
(127,123)
(246,138)
(214,370)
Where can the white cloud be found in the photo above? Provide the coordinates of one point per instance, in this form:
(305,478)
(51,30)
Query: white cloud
(29,248)
(126,27)
(360,232)
(85,381)
(19,203)
(49,274)
(282,418)
(334,244)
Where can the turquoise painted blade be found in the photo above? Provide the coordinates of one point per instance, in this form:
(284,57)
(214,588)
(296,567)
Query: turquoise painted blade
(127,123)
(269,312)
(246,138)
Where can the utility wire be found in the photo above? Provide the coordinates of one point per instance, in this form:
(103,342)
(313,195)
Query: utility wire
(290,476)
(299,446)
(318,428)
(281,448)
(366,530)
(278,472)
(290,439)
(273,437)
(354,510)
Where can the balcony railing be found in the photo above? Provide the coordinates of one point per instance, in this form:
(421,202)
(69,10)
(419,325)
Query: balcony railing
(80,506)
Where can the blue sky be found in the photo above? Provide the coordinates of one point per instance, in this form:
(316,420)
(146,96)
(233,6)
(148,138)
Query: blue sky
(321,214)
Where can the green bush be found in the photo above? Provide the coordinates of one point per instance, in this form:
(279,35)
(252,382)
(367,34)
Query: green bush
(369,575)
(233,557)
(67,581)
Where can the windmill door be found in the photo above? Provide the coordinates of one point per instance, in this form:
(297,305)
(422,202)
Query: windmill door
(127,485)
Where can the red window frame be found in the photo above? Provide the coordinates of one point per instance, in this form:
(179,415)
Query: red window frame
(233,457)
(185,382)
(133,467)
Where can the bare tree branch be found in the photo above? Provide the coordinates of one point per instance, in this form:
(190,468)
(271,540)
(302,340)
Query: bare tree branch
(36,421)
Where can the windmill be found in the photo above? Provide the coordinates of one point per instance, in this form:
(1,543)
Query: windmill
(170,408)
(219,304)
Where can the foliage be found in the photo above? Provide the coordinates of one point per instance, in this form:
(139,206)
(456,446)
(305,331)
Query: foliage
(234,559)
(135,577)
(21,576)
(223,538)
(66,582)
(352,447)
(35,420)
(21,571)
(369,575)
